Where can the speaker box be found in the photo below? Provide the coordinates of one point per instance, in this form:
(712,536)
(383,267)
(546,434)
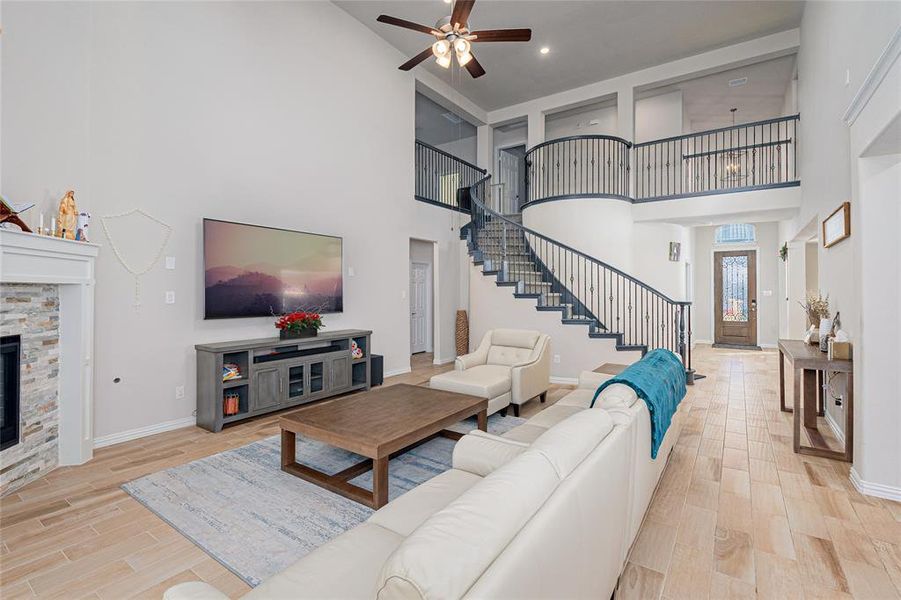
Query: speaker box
(377,369)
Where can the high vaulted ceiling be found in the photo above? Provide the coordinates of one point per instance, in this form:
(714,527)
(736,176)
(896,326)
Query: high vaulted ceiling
(589,41)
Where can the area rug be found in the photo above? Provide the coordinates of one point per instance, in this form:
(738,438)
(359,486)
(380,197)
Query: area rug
(240,508)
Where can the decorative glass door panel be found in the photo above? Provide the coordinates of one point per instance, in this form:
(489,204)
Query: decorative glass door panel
(734,296)
(735,293)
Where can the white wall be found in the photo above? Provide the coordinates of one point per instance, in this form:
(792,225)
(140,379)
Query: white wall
(222,110)
(464,148)
(839,40)
(599,227)
(878,411)
(580,123)
(658,117)
(767,247)
(650,257)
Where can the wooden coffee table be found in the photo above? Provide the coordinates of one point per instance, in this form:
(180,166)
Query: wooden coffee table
(377,424)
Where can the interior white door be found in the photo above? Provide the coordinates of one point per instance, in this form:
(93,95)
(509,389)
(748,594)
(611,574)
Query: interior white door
(420,300)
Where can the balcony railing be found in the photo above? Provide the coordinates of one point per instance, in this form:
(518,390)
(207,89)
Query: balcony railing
(444,179)
(578,167)
(744,157)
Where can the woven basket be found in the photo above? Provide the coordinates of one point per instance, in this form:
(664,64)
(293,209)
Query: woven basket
(462,333)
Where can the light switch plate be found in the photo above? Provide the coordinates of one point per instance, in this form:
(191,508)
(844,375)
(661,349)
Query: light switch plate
(170,262)
(351,272)
(170,297)
(767,293)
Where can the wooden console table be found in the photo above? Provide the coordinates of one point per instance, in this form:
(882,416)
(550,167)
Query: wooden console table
(807,362)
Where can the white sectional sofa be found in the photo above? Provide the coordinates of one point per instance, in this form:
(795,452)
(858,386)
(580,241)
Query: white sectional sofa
(548,510)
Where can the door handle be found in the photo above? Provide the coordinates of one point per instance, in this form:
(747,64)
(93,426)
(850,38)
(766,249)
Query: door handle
(753,304)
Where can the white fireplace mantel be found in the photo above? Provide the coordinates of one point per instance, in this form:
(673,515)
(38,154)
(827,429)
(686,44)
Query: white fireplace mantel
(30,258)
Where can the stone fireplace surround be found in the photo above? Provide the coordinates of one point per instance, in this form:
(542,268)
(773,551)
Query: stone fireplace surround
(48,298)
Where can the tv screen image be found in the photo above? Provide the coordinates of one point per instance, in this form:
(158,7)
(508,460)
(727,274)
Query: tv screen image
(255,271)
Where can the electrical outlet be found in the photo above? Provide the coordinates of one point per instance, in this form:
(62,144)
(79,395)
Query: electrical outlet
(179,392)
(170,262)
(170,297)
(556,359)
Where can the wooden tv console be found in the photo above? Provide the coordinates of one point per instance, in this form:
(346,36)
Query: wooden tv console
(278,374)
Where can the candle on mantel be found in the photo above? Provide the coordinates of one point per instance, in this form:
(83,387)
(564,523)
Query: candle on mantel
(53,226)
(41,225)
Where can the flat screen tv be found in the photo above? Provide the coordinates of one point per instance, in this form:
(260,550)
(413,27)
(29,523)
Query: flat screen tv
(254,271)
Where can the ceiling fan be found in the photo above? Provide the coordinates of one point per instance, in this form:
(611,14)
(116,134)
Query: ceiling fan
(455,38)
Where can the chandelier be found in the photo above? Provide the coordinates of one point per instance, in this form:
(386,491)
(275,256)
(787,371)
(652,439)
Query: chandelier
(732,172)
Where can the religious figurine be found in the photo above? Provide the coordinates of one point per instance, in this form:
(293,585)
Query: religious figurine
(67,218)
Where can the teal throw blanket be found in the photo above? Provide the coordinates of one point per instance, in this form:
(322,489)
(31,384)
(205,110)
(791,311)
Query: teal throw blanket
(658,379)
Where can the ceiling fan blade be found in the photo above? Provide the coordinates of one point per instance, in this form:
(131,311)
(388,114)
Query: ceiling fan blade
(416,59)
(407,24)
(475,68)
(503,35)
(462,8)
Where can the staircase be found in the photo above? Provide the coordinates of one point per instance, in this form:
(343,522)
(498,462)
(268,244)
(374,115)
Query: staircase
(585,292)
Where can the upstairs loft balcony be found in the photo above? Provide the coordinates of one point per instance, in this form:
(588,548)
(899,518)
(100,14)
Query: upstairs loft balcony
(748,157)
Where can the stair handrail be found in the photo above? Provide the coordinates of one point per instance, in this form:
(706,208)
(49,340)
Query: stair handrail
(681,343)
(475,200)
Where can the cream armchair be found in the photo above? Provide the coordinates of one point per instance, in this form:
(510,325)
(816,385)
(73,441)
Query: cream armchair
(510,366)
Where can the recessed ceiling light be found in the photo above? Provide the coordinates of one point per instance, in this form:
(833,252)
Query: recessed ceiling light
(448,1)
(545,50)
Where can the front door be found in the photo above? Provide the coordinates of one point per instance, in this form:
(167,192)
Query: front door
(419,307)
(735,297)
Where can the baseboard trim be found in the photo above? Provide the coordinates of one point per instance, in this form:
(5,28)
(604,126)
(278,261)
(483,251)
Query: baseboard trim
(140,432)
(401,371)
(878,490)
(443,361)
(564,380)
(836,430)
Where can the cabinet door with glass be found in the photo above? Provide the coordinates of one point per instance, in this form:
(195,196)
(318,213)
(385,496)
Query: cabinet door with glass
(317,377)
(298,387)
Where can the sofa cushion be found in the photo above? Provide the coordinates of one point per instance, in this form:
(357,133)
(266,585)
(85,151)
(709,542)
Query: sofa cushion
(567,443)
(451,550)
(580,397)
(485,381)
(554,414)
(346,568)
(526,433)
(404,514)
(481,453)
(508,355)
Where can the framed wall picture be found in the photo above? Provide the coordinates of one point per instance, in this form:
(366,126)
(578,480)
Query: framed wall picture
(675,251)
(837,226)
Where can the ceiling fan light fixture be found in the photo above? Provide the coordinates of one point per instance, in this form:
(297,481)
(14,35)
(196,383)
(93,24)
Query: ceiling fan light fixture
(464,58)
(441,48)
(461,46)
(444,60)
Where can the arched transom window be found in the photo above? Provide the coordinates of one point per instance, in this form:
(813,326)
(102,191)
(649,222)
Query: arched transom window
(735,233)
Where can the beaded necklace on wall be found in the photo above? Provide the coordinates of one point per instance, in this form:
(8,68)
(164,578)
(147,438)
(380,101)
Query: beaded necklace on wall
(135,272)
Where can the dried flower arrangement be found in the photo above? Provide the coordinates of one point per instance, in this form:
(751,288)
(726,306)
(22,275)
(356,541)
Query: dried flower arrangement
(816,307)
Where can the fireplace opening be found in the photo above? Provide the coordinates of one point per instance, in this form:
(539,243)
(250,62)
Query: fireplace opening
(10,353)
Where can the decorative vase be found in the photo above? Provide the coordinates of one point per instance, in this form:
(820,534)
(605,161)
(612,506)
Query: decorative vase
(825,334)
(462,333)
(291,334)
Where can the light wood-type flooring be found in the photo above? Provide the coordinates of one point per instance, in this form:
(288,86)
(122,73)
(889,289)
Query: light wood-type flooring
(736,513)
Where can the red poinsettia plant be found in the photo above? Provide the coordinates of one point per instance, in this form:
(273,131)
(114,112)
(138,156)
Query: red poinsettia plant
(299,321)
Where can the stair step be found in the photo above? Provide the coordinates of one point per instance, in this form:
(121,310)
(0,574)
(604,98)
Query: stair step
(526,296)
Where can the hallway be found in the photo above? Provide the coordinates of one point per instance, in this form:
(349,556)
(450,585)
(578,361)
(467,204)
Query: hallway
(738,513)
